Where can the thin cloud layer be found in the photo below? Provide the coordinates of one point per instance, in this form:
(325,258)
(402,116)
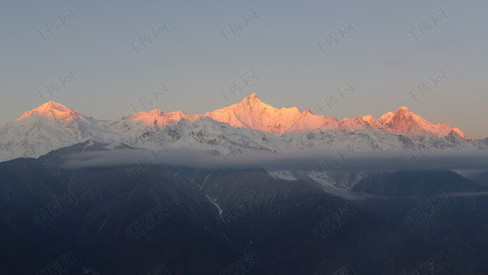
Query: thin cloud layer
(292,160)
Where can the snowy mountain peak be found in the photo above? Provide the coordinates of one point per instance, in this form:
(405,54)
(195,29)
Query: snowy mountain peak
(405,121)
(403,109)
(253,113)
(53,110)
(155,117)
(159,118)
(405,113)
(386,118)
(253,99)
(360,123)
(458,132)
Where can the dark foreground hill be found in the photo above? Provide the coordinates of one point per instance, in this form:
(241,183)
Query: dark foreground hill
(156,219)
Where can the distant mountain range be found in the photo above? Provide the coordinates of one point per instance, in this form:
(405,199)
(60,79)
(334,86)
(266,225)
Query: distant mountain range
(248,125)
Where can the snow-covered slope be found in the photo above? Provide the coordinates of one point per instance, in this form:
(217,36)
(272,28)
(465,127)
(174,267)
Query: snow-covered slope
(159,118)
(249,125)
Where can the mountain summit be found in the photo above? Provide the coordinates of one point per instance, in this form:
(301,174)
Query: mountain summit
(45,128)
(159,118)
(404,121)
(251,112)
(54,110)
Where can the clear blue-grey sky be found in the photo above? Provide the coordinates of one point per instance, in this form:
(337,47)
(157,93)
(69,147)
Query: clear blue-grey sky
(103,58)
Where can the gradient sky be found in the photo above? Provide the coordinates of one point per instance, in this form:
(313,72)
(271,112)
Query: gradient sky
(378,58)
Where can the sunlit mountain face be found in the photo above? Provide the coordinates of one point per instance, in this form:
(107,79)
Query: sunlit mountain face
(245,189)
(52,110)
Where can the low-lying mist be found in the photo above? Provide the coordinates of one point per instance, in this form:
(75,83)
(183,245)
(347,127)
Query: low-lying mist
(326,160)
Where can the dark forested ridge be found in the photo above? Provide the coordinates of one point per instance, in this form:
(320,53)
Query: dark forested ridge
(181,220)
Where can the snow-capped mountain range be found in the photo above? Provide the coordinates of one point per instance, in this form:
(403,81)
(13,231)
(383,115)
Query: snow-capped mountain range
(250,125)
